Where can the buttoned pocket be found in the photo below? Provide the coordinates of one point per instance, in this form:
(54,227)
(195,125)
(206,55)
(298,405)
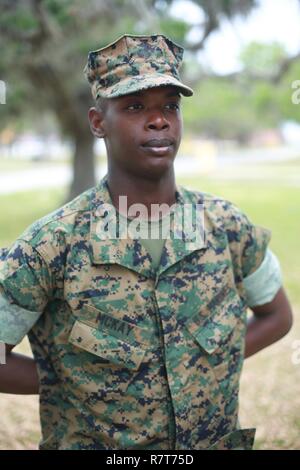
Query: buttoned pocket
(218,330)
(99,366)
(112,350)
(220,335)
(241,439)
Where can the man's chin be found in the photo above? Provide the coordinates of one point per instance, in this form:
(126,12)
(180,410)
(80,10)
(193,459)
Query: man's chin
(158,168)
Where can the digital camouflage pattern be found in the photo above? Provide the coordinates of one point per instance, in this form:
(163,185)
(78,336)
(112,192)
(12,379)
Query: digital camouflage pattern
(130,358)
(135,63)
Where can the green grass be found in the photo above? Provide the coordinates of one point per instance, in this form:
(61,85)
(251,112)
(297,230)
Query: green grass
(9,165)
(19,210)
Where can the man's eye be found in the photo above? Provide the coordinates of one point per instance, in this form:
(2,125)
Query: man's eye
(134,106)
(173,106)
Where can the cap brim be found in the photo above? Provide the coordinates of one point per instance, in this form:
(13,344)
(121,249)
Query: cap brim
(141,82)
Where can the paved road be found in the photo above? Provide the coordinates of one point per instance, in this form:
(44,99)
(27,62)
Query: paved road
(234,166)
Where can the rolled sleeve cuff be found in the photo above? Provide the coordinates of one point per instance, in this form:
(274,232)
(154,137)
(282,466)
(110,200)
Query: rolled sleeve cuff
(15,321)
(262,285)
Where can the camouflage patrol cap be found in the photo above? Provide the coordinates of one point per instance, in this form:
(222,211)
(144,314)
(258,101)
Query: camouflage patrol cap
(134,63)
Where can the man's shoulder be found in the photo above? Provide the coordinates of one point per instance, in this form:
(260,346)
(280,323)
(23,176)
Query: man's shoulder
(213,201)
(63,219)
(218,209)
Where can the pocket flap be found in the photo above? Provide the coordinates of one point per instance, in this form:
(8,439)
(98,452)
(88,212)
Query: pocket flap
(106,346)
(218,325)
(241,439)
(213,333)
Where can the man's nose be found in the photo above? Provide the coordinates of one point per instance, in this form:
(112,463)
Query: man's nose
(157,121)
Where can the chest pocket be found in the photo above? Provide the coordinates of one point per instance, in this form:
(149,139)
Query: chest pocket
(103,365)
(220,335)
(112,350)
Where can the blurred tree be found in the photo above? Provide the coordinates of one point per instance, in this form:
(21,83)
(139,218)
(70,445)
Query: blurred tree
(44,45)
(222,110)
(212,13)
(288,93)
(261,60)
(235,106)
(261,67)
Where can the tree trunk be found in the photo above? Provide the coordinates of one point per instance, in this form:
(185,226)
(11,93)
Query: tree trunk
(71,112)
(83,164)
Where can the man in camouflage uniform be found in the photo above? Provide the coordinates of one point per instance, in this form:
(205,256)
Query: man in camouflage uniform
(139,344)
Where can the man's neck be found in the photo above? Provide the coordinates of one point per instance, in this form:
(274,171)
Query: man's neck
(142,191)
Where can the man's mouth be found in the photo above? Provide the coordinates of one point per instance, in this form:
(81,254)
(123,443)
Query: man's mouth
(158,146)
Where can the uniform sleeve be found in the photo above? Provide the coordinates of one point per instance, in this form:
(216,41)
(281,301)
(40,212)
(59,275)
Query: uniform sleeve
(254,244)
(25,288)
(263,284)
(248,243)
(15,321)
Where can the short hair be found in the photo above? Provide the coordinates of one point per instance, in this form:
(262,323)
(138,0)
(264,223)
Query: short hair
(101,104)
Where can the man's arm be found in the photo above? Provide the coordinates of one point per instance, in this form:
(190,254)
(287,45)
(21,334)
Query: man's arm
(19,374)
(269,323)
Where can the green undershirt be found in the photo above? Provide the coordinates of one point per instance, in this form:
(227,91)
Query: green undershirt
(153,234)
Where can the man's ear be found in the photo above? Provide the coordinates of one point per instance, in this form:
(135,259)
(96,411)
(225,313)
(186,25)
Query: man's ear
(96,118)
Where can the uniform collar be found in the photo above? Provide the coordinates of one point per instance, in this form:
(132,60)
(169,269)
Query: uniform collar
(129,252)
